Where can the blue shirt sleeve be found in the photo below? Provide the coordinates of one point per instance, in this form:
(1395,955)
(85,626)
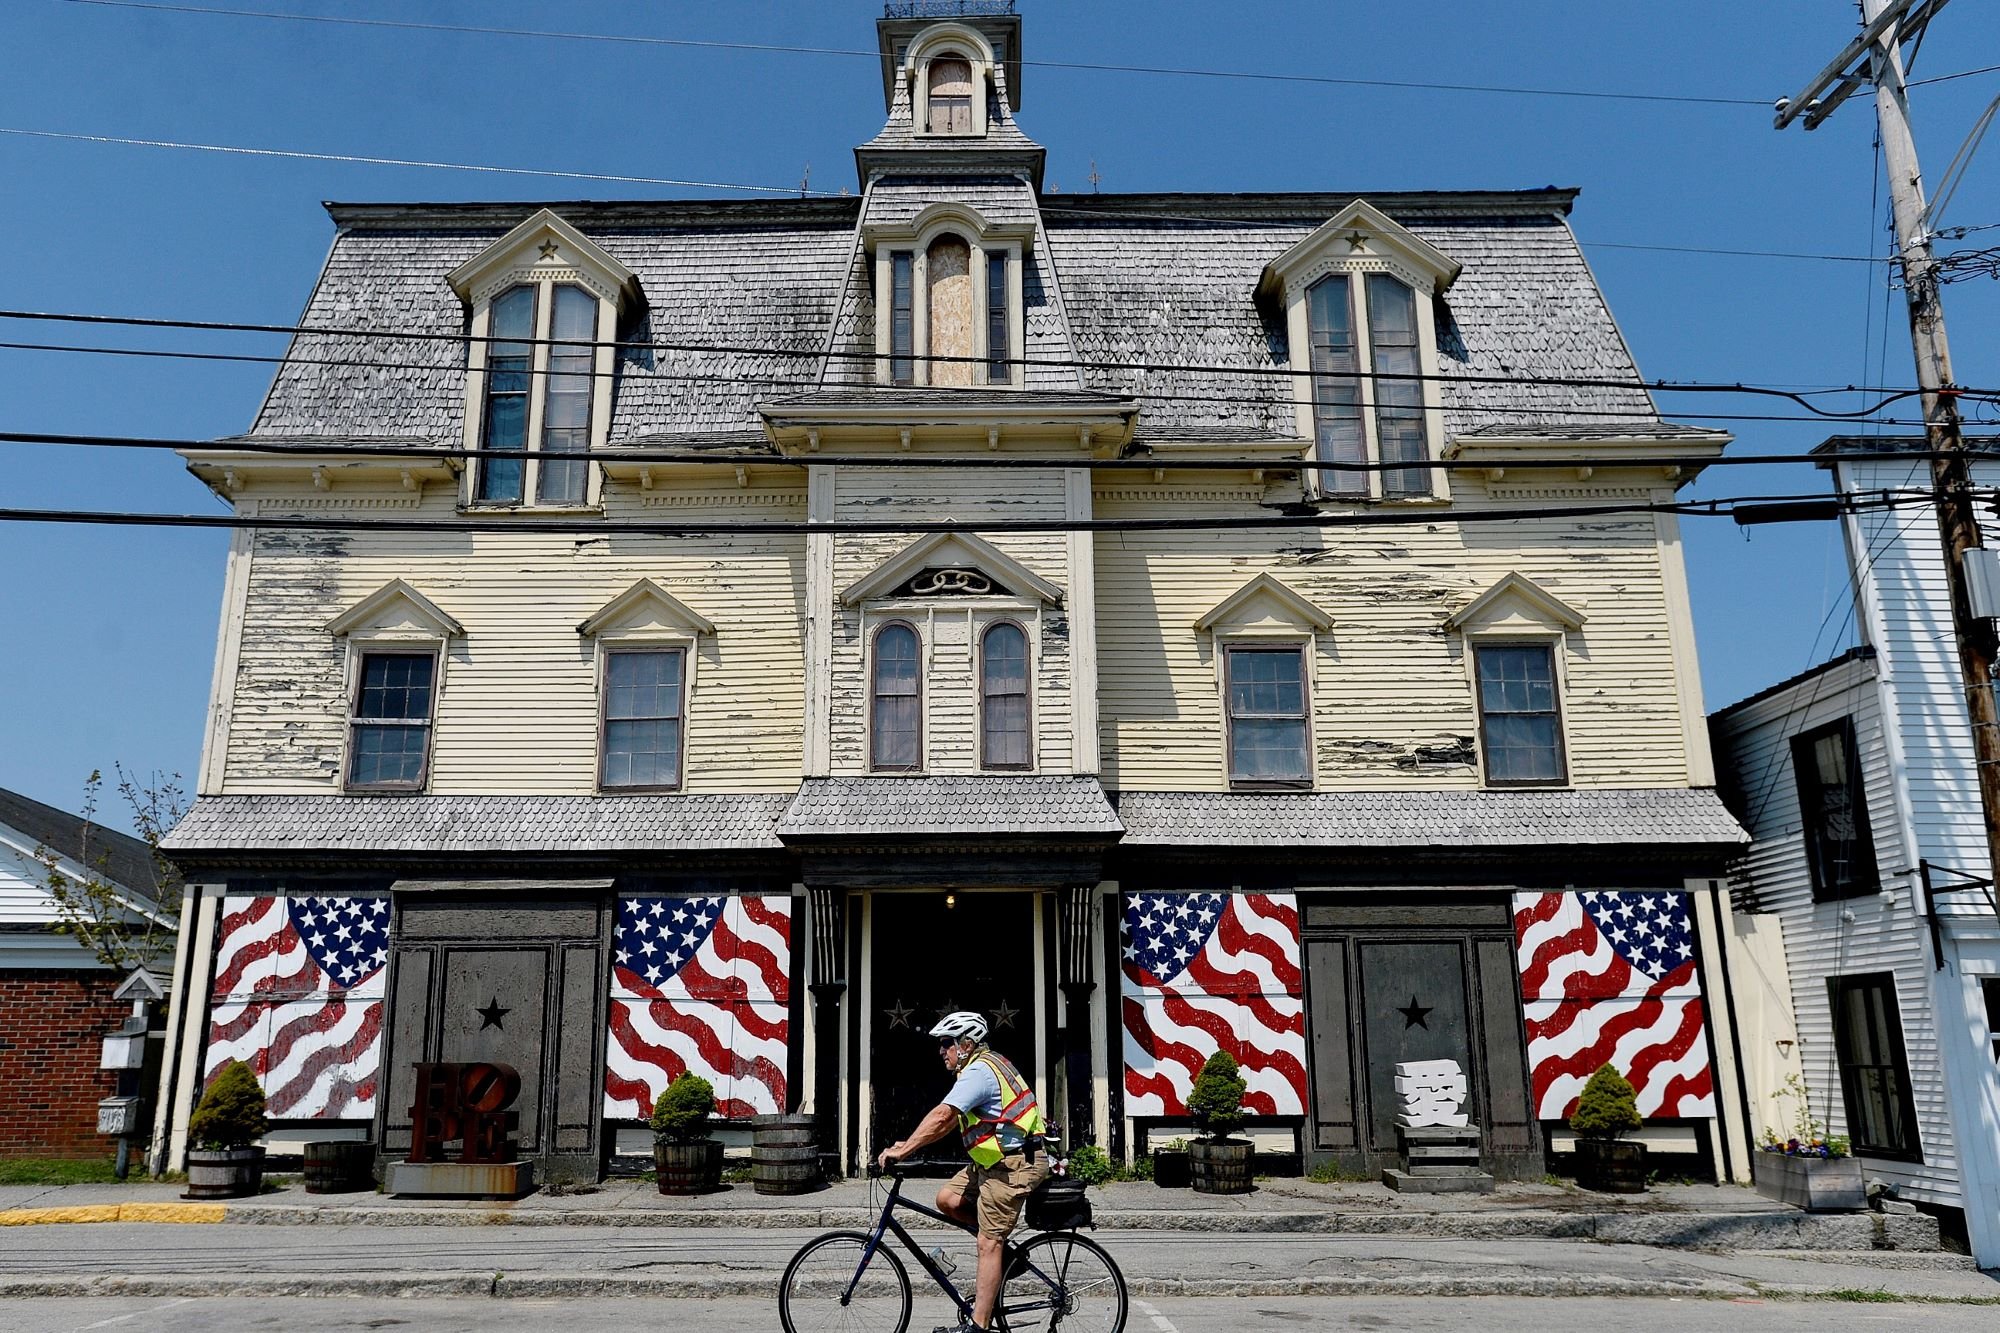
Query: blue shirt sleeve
(976,1090)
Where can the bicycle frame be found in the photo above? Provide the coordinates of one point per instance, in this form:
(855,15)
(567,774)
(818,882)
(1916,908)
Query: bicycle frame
(887,1224)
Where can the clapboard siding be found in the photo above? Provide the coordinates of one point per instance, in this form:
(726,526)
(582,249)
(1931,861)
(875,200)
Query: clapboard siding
(1391,692)
(517,711)
(1885,935)
(950,631)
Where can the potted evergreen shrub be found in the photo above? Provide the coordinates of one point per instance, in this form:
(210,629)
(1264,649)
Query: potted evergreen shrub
(1218,1164)
(224,1161)
(1808,1167)
(1170,1165)
(688,1161)
(1605,1160)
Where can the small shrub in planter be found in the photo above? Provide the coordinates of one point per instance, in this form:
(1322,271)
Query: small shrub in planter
(1607,1111)
(1219,1164)
(224,1162)
(1170,1165)
(687,1159)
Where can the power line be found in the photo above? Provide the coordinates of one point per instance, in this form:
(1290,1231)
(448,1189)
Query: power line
(1063,363)
(800,383)
(1002,462)
(1092,67)
(862,527)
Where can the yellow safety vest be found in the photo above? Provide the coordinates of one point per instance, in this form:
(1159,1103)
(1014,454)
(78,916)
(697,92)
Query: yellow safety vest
(1018,1107)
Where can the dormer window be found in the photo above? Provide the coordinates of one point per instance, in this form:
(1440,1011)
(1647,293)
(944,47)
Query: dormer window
(948,297)
(545,303)
(950,95)
(1356,295)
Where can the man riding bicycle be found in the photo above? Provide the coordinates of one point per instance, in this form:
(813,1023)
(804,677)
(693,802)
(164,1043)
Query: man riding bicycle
(1000,1124)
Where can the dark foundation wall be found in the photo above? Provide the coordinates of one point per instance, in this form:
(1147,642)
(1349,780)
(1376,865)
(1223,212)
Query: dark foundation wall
(51,1023)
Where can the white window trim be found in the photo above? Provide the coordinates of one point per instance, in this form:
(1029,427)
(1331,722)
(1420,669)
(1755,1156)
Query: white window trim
(948,39)
(1307,642)
(985,240)
(1517,635)
(647,640)
(364,643)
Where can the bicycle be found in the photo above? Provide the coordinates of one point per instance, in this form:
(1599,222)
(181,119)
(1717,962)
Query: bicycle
(853,1280)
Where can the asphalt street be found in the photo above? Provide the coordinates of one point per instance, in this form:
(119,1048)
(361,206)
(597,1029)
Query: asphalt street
(1488,1314)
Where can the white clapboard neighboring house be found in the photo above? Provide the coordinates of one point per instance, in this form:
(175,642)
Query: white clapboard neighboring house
(1857,783)
(932,598)
(55,996)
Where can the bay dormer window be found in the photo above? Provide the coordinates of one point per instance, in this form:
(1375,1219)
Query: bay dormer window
(948,289)
(545,304)
(1358,296)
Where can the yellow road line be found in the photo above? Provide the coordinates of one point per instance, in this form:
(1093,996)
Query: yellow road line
(115,1212)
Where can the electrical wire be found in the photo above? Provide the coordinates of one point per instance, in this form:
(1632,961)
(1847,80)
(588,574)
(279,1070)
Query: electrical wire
(1886,396)
(571,526)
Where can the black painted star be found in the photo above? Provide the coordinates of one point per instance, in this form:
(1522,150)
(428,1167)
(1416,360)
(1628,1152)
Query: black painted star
(898,1014)
(1414,1014)
(1004,1014)
(490,1016)
(548,249)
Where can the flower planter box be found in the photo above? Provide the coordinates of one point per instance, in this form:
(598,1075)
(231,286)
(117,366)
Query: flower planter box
(1816,1184)
(224,1173)
(1171,1169)
(1611,1166)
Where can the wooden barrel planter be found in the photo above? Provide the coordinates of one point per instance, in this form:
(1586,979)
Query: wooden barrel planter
(689,1168)
(1611,1166)
(224,1173)
(1220,1166)
(339,1166)
(784,1154)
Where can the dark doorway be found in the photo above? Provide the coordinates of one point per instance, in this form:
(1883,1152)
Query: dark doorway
(935,953)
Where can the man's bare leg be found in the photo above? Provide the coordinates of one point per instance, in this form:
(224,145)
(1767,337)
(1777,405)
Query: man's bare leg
(986,1280)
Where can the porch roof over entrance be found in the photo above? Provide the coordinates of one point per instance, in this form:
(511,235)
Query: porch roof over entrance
(1679,817)
(1010,805)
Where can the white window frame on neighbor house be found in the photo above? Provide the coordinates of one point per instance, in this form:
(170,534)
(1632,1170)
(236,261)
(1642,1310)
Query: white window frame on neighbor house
(1359,241)
(394,620)
(645,618)
(987,242)
(1518,612)
(542,255)
(945,41)
(1267,613)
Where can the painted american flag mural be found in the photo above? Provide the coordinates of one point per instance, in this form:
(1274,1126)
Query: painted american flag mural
(297,996)
(701,984)
(1611,977)
(1206,972)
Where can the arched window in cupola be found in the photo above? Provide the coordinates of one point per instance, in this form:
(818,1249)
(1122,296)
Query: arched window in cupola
(950,94)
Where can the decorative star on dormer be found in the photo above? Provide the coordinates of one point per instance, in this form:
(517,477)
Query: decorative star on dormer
(548,249)
(1356,239)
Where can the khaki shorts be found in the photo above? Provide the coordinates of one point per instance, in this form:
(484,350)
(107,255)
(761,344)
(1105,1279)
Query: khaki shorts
(1002,1190)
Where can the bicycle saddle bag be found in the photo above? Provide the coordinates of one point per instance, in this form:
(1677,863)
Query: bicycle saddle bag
(1058,1204)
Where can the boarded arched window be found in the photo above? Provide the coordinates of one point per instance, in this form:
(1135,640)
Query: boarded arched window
(948,304)
(896,721)
(951,95)
(1003,697)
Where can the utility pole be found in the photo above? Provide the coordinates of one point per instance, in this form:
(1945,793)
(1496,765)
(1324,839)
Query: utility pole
(1876,56)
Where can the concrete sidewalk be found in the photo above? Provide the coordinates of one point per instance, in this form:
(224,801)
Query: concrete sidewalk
(1681,1216)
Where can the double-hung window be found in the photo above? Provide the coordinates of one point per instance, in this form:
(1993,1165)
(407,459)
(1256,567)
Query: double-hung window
(539,387)
(1874,1068)
(641,745)
(1520,723)
(389,721)
(1833,811)
(1269,740)
(950,101)
(999,322)
(1003,697)
(896,711)
(902,317)
(1389,406)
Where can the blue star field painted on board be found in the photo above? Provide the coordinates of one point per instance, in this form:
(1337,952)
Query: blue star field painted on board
(347,937)
(1162,931)
(1650,931)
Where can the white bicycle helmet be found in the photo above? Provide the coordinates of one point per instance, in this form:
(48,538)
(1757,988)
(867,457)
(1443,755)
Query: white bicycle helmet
(964,1023)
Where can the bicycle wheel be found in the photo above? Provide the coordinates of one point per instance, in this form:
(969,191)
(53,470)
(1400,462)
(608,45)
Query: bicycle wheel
(1063,1281)
(821,1294)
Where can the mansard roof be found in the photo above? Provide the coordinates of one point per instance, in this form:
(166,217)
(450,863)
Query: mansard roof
(1151,283)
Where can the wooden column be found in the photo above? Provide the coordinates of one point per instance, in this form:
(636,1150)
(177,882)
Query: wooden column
(1077,980)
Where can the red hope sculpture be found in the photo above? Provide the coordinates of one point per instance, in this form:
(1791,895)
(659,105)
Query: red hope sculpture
(467,1102)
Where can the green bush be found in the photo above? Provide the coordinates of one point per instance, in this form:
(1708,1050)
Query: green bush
(681,1114)
(231,1113)
(1608,1108)
(1142,1168)
(1092,1165)
(1216,1103)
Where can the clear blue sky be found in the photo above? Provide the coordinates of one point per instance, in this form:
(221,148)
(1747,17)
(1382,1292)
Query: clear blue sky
(110,633)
